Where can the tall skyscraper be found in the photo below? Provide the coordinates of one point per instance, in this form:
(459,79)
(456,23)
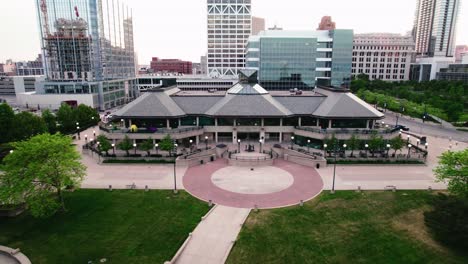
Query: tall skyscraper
(326,23)
(229,27)
(435,27)
(88,48)
(258,25)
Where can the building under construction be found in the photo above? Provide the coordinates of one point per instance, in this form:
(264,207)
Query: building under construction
(88,52)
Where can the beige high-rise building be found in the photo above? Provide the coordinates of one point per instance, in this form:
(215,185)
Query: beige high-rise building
(382,56)
(258,24)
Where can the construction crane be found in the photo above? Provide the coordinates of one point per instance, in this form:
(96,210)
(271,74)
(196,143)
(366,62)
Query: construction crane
(45,16)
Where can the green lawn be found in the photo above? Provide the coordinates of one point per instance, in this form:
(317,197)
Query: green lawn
(123,226)
(348,227)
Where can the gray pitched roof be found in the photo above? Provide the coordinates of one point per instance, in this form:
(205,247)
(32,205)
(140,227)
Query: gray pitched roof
(151,104)
(244,88)
(193,105)
(301,105)
(345,104)
(248,105)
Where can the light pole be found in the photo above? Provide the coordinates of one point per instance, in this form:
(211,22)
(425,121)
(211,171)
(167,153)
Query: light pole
(157,148)
(325,150)
(86,139)
(308,145)
(78,131)
(409,149)
(417,142)
(175,177)
(292,142)
(260,141)
(206,142)
(238,145)
(366,146)
(408,139)
(134,147)
(190,141)
(94,133)
(388,149)
(344,149)
(426,145)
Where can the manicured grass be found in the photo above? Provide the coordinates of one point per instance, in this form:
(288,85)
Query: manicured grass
(347,227)
(126,226)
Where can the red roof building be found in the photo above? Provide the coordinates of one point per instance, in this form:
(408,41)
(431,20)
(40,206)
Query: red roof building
(171,65)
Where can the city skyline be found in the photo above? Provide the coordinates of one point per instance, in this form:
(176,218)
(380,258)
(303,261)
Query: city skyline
(154,40)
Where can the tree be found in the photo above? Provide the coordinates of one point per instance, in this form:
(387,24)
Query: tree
(125,145)
(397,143)
(167,144)
(332,143)
(66,119)
(84,115)
(375,143)
(50,121)
(37,172)
(104,144)
(7,117)
(353,143)
(453,168)
(147,146)
(27,125)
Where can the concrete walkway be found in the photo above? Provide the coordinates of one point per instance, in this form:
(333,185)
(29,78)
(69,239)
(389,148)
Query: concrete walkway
(213,238)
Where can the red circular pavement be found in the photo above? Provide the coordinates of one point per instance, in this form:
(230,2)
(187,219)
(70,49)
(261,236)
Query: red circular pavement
(307,184)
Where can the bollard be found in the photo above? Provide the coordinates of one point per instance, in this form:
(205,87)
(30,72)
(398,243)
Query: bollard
(358,189)
(301,203)
(146,188)
(210,203)
(394,189)
(430,188)
(110,188)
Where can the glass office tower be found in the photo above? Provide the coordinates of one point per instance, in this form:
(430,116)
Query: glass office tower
(301,59)
(88,48)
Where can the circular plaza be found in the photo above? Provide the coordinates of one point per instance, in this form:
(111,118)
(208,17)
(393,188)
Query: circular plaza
(283,184)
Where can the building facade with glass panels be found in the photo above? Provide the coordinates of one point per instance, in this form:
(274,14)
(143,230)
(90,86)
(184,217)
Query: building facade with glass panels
(87,46)
(301,59)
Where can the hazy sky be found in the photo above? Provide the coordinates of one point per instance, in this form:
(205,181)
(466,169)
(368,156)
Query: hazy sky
(177,28)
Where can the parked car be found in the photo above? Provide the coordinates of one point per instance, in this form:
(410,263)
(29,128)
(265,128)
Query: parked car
(404,128)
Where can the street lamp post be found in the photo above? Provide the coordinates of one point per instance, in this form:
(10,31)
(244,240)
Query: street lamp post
(78,131)
(113,149)
(409,149)
(388,149)
(190,141)
(86,139)
(238,145)
(408,139)
(366,146)
(325,150)
(292,142)
(94,133)
(175,175)
(426,145)
(206,142)
(260,141)
(334,166)
(157,148)
(134,147)
(308,145)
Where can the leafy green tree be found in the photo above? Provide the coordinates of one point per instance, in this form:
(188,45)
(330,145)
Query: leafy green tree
(50,121)
(7,117)
(27,125)
(167,144)
(66,119)
(353,143)
(104,144)
(375,143)
(84,115)
(332,143)
(39,170)
(397,143)
(147,146)
(125,145)
(453,168)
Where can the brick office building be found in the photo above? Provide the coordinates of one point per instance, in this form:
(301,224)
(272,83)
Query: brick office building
(171,65)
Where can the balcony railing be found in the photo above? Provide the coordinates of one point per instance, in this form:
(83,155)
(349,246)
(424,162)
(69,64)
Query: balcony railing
(346,131)
(150,131)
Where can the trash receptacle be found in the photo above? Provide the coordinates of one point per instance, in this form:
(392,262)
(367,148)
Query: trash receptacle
(211,158)
(317,165)
(201,162)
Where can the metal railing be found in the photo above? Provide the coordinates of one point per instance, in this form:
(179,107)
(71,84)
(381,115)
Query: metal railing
(346,131)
